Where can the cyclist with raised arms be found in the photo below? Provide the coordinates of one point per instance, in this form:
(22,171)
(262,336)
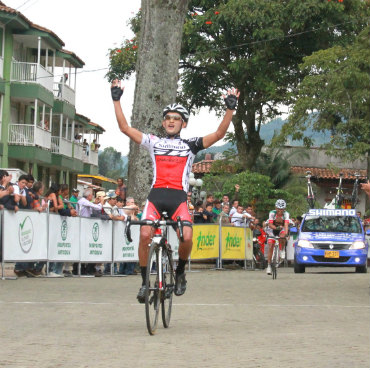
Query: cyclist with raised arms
(172,159)
(278,226)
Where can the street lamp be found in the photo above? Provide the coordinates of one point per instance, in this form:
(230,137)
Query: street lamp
(195,185)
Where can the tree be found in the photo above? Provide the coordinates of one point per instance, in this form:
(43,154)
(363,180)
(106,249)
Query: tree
(156,55)
(110,163)
(257,46)
(335,96)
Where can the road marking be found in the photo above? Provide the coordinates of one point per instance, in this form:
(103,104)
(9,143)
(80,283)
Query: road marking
(184,304)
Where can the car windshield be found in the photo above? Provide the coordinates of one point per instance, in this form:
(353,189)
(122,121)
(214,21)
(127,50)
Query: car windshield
(331,224)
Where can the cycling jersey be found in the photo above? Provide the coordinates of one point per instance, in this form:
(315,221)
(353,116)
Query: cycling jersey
(274,221)
(172,159)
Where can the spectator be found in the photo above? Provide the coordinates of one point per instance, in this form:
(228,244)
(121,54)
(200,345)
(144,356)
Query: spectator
(234,207)
(85,204)
(74,198)
(225,200)
(216,210)
(209,199)
(121,189)
(51,196)
(207,214)
(20,191)
(121,213)
(93,145)
(249,219)
(198,213)
(67,209)
(85,145)
(238,217)
(224,215)
(7,192)
(62,82)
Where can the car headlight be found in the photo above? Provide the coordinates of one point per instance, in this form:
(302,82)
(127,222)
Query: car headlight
(304,244)
(357,245)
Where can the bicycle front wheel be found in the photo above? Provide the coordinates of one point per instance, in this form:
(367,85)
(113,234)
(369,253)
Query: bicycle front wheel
(275,261)
(168,280)
(152,294)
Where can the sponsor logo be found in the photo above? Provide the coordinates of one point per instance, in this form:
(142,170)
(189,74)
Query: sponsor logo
(205,242)
(95,232)
(25,233)
(332,212)
(233,242)
(64,230)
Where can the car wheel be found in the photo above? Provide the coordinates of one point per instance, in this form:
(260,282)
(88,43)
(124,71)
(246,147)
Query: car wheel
(362,269)
(299,269)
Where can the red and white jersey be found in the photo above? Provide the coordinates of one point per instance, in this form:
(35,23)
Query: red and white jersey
(172,159)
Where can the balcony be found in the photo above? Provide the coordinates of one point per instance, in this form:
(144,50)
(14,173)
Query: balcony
(32,73)
(78,151)
(61,146)
(28,135)
(64,93)
(91,157)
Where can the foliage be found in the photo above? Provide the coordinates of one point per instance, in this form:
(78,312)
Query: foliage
(259,191)
(276,164)
(335,96)
(110,163)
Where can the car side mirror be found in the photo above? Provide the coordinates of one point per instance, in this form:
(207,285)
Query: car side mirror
(293,230)
(368,232)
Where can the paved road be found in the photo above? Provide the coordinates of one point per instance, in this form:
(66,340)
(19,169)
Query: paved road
(226,319)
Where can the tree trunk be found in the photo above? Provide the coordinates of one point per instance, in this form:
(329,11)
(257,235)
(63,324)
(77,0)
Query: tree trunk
(249,148)
(156,81)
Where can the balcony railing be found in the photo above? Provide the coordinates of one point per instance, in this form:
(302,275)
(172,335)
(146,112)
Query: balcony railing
(32,72)
(62,146)
(28,135)
(64,93)
(91,157)
(78,151)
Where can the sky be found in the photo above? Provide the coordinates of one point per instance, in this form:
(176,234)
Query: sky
(89,29)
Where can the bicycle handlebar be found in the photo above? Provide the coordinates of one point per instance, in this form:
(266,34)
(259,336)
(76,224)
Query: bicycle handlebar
(153,223)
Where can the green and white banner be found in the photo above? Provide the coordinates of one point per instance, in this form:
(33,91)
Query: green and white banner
(25,236)
(64,238)
(123,250)
(96,240)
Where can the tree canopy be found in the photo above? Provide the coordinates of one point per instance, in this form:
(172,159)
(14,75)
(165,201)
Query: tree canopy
(335,96)
(110,163)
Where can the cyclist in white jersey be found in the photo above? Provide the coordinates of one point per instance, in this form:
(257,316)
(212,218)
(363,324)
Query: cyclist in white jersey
(278,226)
(172,159)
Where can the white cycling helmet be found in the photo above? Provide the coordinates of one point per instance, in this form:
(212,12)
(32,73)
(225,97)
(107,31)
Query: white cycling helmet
(280,203)
(178,109)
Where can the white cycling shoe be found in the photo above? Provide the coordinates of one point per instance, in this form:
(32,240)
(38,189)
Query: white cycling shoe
(268,270)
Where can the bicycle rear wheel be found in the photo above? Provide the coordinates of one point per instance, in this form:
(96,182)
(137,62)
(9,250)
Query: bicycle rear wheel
(168,279)
(152,294)
(354,198)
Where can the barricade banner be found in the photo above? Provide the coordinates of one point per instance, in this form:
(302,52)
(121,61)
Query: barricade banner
(233,243)
(248,244)
(123,250)
(174,242)
(96,240)
(64,238)
(25,237)
(206,241)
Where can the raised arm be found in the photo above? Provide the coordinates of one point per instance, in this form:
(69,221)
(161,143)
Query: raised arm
(131,132)
(230,100)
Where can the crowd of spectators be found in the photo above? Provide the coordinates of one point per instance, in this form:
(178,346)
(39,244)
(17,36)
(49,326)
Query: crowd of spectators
(27,193)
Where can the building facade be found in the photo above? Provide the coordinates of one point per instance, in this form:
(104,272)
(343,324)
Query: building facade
(41,132)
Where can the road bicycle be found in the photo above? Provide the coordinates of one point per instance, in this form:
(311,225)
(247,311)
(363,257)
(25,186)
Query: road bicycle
(160,275)
(339,197)
(275,259)
(310,194)
(354,196)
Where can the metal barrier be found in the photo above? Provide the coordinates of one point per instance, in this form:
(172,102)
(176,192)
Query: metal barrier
(29,236)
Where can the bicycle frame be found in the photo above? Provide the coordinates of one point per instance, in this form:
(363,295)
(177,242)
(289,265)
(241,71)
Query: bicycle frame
(354,197)
(310,194)
(339,195)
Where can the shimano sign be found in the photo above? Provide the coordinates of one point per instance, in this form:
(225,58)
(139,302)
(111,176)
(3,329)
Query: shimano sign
(332,212)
